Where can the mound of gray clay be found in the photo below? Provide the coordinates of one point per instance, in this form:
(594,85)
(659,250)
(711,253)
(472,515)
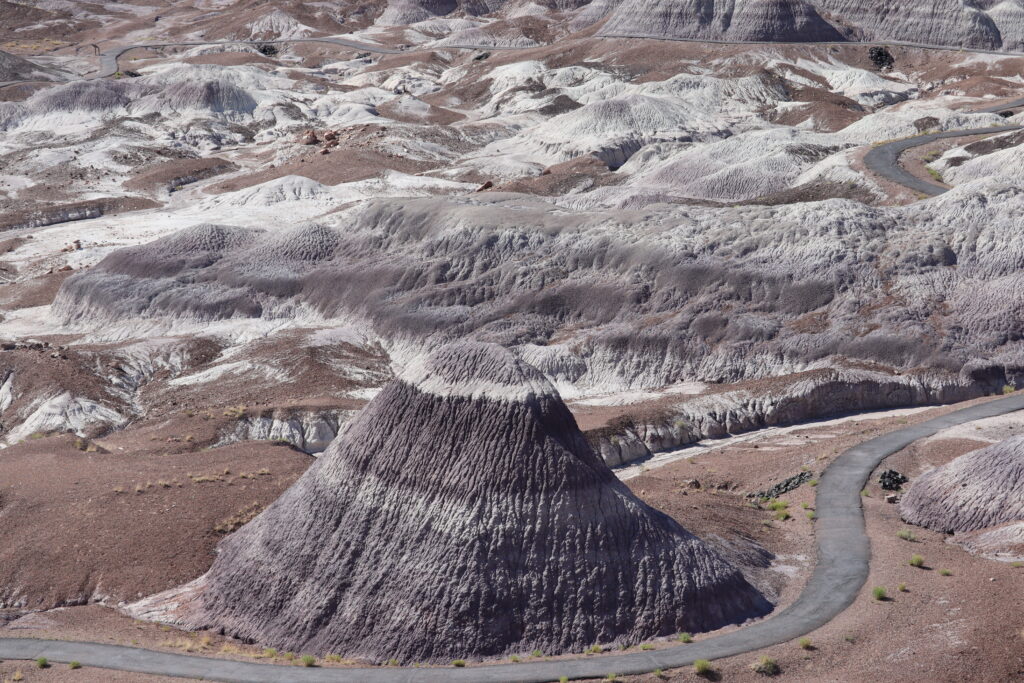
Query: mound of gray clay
(462,514)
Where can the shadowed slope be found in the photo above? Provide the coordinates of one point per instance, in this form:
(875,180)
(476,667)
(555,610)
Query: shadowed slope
(462,514)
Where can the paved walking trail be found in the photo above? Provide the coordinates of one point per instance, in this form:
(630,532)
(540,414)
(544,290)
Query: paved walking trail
(840,573)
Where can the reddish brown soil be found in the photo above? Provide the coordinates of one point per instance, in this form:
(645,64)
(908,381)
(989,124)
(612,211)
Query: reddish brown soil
(59,673)
(123,524)
(944,628)
(176,172)
(578,175)
(353,159)
(38,291)
(438,116)
(965,626)
(229,59)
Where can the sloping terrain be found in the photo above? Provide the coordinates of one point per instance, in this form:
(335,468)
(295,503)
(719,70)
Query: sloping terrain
(345,191)
(216,258)
(461,514)
(15,68)
(429,269)
(979,497)
(954,23)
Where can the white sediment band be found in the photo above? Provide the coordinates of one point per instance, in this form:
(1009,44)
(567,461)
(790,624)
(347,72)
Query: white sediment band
(477,371)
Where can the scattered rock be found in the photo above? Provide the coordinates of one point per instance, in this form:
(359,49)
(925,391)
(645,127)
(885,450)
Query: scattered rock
(784,486)
(891,480)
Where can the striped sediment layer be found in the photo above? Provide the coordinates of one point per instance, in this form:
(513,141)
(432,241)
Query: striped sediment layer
(979,490)
(463,514)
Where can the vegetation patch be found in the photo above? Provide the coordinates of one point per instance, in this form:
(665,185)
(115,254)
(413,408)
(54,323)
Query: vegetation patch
(766,666)
(235,521)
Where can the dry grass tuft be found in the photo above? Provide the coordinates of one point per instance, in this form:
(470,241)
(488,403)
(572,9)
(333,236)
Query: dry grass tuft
(235,521)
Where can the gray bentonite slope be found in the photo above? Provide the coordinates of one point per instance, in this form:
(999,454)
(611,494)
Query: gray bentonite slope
(985,24)
(461,515)
(754,20)
(979,490)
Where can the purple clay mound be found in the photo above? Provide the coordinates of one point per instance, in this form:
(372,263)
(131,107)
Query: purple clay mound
(979,490)
(462,514)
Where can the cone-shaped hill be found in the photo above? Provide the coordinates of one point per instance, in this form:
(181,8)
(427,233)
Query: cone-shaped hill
(462,514)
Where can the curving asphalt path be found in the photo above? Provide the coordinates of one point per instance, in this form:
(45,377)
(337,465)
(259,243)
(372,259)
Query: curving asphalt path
(885,159)
(843,547)
(842,568)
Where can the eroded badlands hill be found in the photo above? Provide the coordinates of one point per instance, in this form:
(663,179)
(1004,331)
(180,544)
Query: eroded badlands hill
(978,497)
(461,514)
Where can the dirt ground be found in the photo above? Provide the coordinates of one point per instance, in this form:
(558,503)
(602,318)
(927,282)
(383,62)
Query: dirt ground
(77,525)
(941,628)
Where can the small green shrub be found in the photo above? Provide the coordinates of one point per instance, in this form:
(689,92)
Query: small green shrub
(391,662)
(865,493)
(514,658)
(74,665)
(685,638)
(1017,565)
(42,663)
(459,663)
(805,505)
(906,535)
(902,588)
(812,482)
(563,679)
(945,572)
(270,653)
(536,653)
(595,649)
(917,561)
(308,660)
(702,667)
(1007,389)
(777,505)
(935,175)
(812,515)
(782,515)
(879,593)
(805,644)
(766,666)
(611,677)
